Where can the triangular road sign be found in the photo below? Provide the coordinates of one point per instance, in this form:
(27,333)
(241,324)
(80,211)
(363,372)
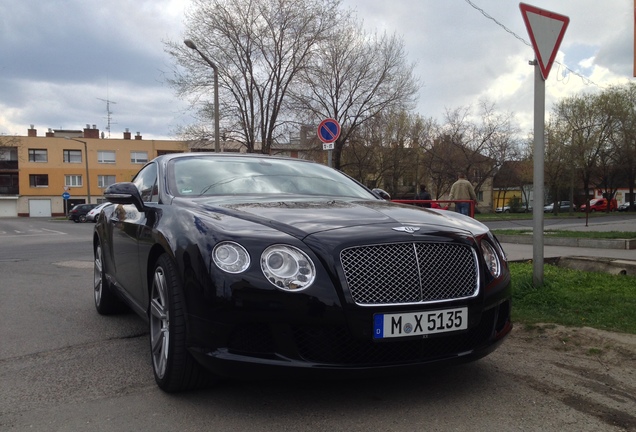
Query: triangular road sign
(546,30)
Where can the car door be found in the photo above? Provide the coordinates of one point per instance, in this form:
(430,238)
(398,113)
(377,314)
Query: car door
(128,225)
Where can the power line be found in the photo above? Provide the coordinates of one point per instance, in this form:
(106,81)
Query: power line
(585,79)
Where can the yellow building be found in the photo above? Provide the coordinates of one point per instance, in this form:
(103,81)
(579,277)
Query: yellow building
(73,164)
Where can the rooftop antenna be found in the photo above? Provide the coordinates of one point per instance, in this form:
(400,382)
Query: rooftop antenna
(108,111)
(108,114)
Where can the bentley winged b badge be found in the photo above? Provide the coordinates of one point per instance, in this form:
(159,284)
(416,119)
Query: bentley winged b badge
(407,229)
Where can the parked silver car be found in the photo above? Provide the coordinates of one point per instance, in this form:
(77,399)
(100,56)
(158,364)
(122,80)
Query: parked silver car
(563,206)
(92,215)
(508,209)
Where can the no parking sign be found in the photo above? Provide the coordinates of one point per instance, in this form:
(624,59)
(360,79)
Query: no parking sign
(328,130)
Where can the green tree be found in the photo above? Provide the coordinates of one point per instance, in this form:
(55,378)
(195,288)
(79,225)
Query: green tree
(590,126)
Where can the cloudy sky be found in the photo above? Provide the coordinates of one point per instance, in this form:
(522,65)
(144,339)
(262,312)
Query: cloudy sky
(61,60)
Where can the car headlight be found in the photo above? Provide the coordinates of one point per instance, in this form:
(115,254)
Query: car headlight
(491,258)
(231,257)
(287,267)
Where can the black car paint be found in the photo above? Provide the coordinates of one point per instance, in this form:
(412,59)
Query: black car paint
(218,303)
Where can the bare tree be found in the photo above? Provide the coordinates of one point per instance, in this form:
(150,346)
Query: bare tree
(259,48)
(558,165)
(477,148)
(388,151)
(356,76)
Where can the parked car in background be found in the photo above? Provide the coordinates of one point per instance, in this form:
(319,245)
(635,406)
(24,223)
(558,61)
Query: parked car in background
(92,215)
(563,206)
(79,212)
(625,207)
(512,209)
(248,265)
(599,204)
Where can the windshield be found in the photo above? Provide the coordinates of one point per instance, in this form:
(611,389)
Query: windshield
(210,176)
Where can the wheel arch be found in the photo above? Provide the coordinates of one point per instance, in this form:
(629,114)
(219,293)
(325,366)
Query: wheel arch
(155,252)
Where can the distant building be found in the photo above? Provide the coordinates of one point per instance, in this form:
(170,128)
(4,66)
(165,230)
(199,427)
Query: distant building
(44,176)
(37,171)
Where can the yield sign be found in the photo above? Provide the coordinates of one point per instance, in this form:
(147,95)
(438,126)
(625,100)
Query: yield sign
(546,30)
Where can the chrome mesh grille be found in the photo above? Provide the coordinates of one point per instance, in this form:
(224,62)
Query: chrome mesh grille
(410,272)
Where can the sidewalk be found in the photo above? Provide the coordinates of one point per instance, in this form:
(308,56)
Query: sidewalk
(602,252)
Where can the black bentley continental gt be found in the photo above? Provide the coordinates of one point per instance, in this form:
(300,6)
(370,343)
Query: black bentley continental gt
(248,265)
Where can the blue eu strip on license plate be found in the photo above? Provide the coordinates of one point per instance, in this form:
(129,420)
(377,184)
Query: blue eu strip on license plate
(419,323)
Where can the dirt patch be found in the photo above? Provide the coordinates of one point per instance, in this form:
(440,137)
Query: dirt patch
(592,371)
(603,346)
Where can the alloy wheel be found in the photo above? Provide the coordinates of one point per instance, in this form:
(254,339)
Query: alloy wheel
(98,275)
(159,323)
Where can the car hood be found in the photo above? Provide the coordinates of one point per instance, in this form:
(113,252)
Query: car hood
(305,217)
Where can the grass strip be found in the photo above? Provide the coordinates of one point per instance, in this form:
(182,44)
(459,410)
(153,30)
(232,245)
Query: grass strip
(571,234)
(574,298)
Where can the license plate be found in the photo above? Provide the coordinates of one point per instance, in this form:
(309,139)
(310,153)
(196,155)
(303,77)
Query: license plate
(419,323)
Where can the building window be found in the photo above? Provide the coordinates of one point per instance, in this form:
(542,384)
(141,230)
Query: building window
(73,180)
(480,196)
(8,154)
(38,155)
(477,175)
(8,158)
(39,180)
(106,156)
(73,156)
(104,181)
(9,184)
(139,157)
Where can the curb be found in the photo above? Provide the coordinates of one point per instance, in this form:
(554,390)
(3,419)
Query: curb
(612,266)
(625,244)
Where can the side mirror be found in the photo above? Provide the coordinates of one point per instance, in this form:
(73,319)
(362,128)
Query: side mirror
(124,193)
(382,194)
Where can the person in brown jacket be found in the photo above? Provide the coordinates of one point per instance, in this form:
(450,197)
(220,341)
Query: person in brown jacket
(462,189)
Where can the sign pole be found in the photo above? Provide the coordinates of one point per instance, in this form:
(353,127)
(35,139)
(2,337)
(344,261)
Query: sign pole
(546,30)
(538,177)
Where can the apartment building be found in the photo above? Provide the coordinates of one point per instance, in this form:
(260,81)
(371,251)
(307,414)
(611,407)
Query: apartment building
(43,176)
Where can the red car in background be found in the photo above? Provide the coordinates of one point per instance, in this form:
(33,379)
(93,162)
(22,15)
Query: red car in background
(599,204)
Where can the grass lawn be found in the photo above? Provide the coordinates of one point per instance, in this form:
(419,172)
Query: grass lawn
(574,298)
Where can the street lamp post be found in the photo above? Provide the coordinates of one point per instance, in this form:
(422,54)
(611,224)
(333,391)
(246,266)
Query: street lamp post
(88,182)
(191,45)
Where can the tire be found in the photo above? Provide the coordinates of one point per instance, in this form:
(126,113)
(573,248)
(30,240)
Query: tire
(82,218)
(106,302)
(174,367)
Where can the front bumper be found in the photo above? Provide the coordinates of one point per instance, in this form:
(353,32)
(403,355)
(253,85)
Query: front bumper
(257,350)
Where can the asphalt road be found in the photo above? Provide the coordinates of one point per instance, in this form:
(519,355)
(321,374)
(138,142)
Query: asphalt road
(63,367)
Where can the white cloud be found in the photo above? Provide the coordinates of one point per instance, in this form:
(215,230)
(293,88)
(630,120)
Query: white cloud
(59,58)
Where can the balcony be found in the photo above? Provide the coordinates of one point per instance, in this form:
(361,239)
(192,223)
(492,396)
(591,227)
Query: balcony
(6,165)
(9,190)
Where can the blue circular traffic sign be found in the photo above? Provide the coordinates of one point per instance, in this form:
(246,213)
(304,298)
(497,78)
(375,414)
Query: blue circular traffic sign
(328,130)
(66,195)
